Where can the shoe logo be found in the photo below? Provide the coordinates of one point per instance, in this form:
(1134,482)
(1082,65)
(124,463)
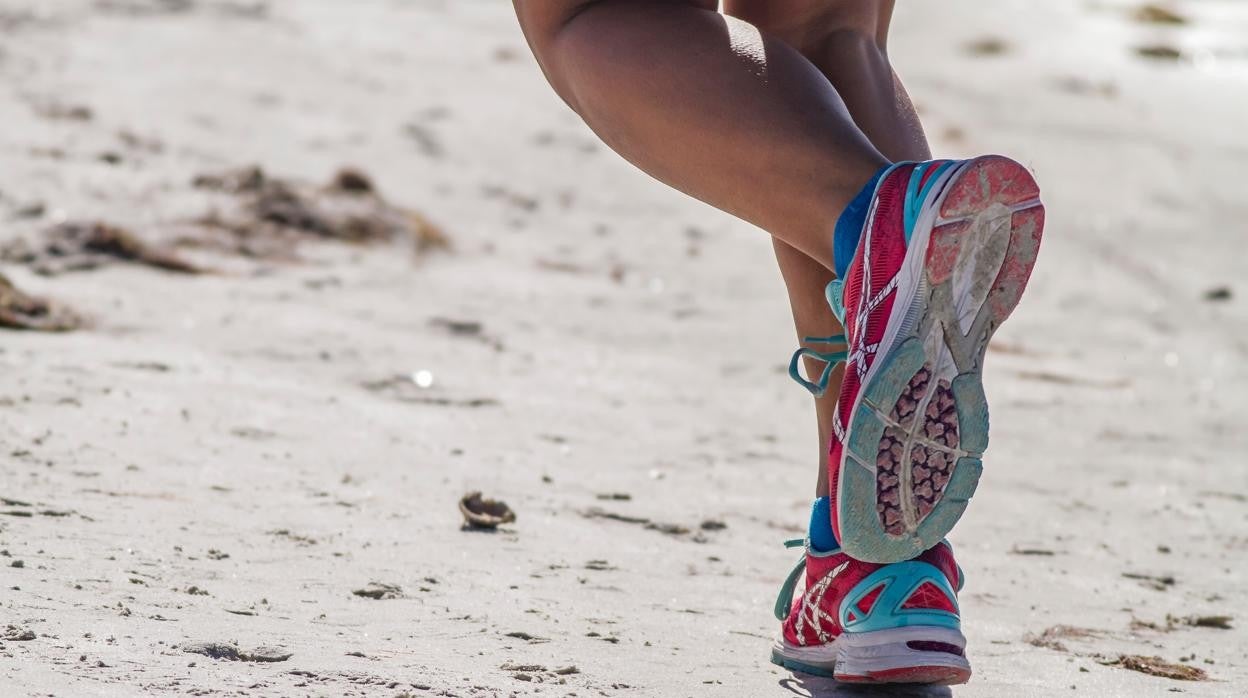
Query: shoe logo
(861,356)
(812,608)
(858,357)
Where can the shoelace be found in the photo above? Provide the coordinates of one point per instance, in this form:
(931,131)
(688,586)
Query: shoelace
(831,359)
(784,602)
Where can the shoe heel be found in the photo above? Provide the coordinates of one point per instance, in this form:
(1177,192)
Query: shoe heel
(912,654)
(987,180)
(994,204)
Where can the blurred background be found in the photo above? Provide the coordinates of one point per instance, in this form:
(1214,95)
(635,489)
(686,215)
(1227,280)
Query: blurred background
(281,280)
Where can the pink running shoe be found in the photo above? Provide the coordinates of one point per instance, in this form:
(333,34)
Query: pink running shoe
(944,256)
(860,622)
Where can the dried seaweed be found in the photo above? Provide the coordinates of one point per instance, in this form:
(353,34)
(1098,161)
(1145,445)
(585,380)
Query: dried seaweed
(1052,637)
(349,209)
(1157,14)
(1156,666)
(86,245)
(20,311)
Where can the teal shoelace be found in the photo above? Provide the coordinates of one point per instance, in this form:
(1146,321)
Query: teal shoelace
(831,359)
(784,601)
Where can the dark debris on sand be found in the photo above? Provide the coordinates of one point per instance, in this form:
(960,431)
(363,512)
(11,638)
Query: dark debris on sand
(1218,294)
(1052,637)
(672,529)
(86,245)
(20,311)
(1156,666)
(1216,622)
(1156,582)
(404,389)
(1159,52)
(1152,13)
(987,46)
(14,633)
(251,214)
(380,591)
(234,9)
(265,216)
(230,652)
(1173,622)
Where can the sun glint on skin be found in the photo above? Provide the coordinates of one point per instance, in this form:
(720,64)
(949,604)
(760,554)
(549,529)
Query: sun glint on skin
(747,44)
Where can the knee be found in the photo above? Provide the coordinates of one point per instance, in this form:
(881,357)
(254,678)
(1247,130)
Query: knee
(815,27)
(542,22)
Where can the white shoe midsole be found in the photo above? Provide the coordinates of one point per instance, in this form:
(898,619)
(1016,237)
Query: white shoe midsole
(862,654)
(881,650)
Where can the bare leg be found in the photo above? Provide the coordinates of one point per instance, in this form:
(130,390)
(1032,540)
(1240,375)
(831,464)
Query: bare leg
(846,40)
(710,106)
(806,279)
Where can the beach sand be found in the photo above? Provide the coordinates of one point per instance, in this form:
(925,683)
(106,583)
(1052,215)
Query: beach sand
(228,457)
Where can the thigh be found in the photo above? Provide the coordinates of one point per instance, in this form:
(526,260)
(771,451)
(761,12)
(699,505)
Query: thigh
(542,20)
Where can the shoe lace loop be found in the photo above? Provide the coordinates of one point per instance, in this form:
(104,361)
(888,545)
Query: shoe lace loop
(831,359)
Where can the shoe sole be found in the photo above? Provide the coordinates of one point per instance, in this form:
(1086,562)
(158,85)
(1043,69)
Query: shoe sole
(914,448)
(815,661)
(882,657)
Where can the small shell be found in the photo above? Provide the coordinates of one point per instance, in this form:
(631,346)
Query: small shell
(485,513)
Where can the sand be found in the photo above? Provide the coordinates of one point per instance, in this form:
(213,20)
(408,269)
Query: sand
(246,482)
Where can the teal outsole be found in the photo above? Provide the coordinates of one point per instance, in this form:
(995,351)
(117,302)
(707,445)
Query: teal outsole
(792,665)
(862,533)
(972,407)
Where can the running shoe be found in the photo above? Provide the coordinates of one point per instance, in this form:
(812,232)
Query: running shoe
(944,255)
(861,622)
